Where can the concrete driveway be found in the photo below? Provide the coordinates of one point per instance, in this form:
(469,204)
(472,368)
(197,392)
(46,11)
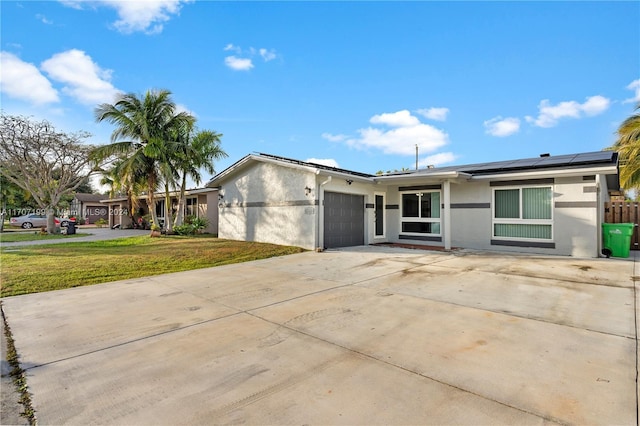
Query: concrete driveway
(368,335)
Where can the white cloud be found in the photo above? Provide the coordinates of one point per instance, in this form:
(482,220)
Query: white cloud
(84,79)
(437,159)
(268,55)
(147,16)
(635,86)
(238,64)
(230,46)
(395,119)
(330,162)
(549,115)
(22,80)
(242,60)
(43,19)
(408,132)
(595,105)
(334,138)
(501,127)
(439,114)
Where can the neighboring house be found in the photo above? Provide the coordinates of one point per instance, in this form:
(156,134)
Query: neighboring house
(88,207)
(201,202)
(549,204)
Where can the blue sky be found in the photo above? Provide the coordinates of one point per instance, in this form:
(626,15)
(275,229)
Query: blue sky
(352,84)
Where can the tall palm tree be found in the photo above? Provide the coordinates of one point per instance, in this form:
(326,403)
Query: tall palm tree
(628,147)
(142,125)
(198,150)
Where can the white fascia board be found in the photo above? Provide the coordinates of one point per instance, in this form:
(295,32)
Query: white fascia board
(533,174)
(229,170)
(316,170)
(452,175)
(323,172)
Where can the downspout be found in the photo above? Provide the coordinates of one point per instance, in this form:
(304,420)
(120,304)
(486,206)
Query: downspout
(320,215)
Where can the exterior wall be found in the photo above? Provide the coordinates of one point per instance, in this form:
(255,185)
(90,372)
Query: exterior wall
(275,203)
(208,208)
(576,226)
(471,215)
(575,223)
(92,212)
(268,203)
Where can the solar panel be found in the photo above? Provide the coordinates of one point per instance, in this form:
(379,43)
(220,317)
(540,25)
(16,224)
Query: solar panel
(554,161)
(593,156)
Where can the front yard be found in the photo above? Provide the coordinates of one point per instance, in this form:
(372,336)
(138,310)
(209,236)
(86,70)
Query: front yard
(33,269)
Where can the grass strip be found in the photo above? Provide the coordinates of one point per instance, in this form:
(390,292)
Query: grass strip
(33,269)
(17,374)
(13,237)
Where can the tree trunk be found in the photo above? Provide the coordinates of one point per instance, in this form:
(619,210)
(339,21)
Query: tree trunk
(151,205)
(181,202)
(168,223)
(51,221)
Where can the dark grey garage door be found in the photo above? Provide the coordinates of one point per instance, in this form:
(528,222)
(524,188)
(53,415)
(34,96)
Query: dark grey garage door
(343,220)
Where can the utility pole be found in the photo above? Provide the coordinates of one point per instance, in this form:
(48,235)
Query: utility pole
(416,156)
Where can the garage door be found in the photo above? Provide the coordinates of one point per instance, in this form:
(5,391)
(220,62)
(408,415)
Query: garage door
(343,220)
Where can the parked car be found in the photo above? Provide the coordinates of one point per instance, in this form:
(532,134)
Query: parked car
(28,221)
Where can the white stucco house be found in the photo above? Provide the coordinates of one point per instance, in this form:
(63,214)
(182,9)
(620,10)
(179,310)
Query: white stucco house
(547,204)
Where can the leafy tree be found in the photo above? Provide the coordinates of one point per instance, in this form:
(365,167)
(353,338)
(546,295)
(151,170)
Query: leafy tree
(144,126)
(42,161)
(628,147)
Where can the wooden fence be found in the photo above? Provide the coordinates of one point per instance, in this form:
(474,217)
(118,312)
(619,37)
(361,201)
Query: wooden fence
(621,212)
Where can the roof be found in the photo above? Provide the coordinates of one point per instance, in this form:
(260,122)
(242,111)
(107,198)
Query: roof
(89,198)
(290,162)
(601,161)
(536,163)
(161,195)
(316,165)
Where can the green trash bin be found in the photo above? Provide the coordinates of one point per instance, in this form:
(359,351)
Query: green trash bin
(616,239)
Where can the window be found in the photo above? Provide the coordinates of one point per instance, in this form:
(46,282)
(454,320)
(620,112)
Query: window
(523,213)
(191,208)
(379,215)
(421,212)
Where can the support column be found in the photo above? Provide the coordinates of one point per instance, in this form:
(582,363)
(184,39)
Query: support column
(446,201)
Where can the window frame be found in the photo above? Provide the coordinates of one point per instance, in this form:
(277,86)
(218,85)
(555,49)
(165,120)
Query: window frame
(419,218)
(384,219)
(521,221)
(194,205)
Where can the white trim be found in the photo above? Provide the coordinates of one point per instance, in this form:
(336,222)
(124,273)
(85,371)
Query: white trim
(418,218)
(446,195)
(521,221)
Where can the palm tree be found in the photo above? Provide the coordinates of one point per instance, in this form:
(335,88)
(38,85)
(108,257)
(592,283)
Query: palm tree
(123,183)
(198,150)
(628,147)
(143,126)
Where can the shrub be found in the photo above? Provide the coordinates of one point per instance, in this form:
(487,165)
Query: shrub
(101,222)
(186,229)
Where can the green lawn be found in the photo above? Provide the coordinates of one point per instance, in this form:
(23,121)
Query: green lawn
(12,237)
(33,269)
